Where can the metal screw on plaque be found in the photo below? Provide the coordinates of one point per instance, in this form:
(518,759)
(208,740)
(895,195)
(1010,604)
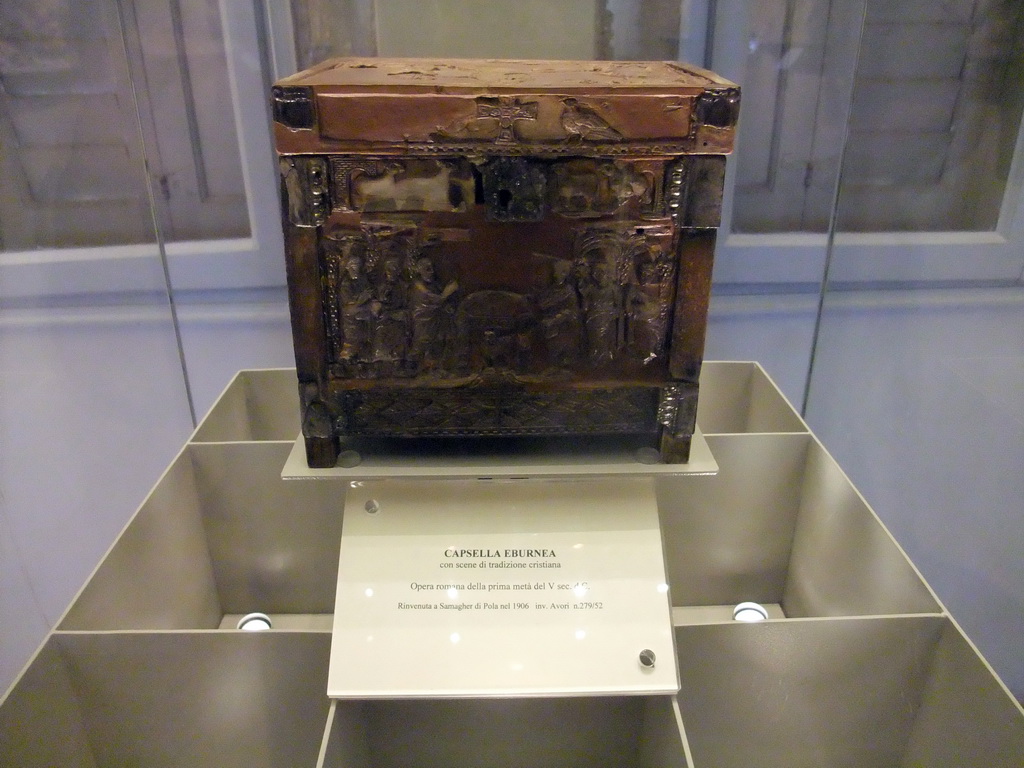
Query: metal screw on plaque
(647,658)
(373,506)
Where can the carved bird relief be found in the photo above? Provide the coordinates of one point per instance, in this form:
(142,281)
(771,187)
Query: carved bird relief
(582,123)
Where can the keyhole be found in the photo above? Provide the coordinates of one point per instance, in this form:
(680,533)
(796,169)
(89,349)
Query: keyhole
(504,198)
(455,198)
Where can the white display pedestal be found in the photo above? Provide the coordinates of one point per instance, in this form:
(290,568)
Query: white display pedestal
(509,458)
(859,664)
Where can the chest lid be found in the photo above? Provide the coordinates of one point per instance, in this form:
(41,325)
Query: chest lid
(435,106)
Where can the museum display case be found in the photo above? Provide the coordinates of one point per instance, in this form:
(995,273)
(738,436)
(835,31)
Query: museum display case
(857,663)
(869,256)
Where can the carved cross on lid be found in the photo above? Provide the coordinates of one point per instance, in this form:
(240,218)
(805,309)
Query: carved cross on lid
(506,110)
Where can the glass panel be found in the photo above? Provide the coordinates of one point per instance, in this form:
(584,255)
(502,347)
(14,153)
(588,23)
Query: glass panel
(932,81)
(795,62)
(92,395)
(69,145)
(936,108)
(69,133)
(919,360)
(564,29)
(177,47)
(325,28)
(567,29)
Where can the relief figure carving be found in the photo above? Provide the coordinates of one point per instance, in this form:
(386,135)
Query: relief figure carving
(582,123)
(561,318)
(366,299)
(494,331)
(650,302)
(602,307)
(354,303)
(390,309)
(626,281)
(506,111)
(590,187)
(432,317)
(389,314)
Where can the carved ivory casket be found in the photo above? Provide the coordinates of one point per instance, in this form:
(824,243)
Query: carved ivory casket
(500,248)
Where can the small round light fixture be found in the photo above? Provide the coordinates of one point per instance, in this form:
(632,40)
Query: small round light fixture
(749,612)
(255,622)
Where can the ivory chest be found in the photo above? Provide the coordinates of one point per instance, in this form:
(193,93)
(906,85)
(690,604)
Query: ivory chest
(500,248)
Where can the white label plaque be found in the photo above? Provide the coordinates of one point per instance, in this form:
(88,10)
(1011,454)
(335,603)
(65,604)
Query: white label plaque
(517,588)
